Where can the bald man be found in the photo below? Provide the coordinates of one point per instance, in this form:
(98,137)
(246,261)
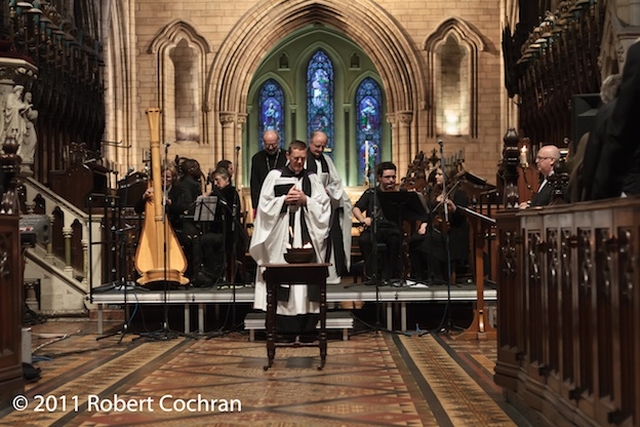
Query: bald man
(339,244)
(546,161)
(270,157)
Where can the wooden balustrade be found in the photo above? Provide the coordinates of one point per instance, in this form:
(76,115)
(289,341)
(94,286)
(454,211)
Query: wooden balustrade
(569,311)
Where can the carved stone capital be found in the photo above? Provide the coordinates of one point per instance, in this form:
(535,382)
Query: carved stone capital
(227,118)
(405,117)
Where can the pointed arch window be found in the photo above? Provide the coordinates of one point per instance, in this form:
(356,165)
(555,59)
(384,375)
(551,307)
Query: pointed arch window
(368,128)
(271,101)
(320,96)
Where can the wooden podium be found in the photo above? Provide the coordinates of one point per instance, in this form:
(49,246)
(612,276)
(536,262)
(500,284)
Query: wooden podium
(295,274)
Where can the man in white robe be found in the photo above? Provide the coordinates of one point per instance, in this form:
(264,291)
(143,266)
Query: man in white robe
(339,244)
(289,217)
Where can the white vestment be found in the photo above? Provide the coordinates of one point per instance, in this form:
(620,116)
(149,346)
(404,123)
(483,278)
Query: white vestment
(271,234)
(339,199)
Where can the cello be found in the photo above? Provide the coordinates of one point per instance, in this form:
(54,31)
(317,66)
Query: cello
(159,257)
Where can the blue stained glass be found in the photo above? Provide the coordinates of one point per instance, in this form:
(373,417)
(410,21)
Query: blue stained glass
(271,102)
(368,129)
(320,96)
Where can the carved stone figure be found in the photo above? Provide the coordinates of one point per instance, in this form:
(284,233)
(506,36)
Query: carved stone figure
(27,148)
(14,122)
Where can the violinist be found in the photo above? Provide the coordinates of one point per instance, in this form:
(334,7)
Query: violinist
(388,232)
(428,248)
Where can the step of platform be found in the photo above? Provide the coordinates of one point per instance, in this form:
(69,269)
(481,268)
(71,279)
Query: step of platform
(335,320)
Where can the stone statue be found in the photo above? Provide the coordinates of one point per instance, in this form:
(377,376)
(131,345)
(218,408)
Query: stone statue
(27,148)
(14,121)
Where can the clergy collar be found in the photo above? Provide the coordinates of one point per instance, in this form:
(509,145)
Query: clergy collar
(287,172)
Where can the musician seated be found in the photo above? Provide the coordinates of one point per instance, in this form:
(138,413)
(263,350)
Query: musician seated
(171,190)
(388,231)
(428,248)
(213,249)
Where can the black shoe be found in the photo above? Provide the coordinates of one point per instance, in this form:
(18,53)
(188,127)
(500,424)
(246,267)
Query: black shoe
(308,338)
(286,339)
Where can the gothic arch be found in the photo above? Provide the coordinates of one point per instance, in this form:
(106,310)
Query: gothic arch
(179,44)
(468,37)
(363,21)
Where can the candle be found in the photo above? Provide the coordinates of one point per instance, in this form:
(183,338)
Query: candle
(523,157)
(366,157)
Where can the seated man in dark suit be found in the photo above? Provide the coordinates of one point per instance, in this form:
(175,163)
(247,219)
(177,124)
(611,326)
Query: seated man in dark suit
(546,160)
(388,232)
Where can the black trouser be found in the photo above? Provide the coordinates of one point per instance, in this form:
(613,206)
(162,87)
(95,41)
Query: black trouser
(391,237)
(208,258)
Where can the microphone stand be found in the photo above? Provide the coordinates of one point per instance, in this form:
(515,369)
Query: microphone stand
(228,261)
(165,333)
(374,248)
(120,230)
(445,322)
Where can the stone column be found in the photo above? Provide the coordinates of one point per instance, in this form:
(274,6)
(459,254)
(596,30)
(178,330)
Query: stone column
(67,233)
(237,154)
(85,263)
(403,148)
(228,121)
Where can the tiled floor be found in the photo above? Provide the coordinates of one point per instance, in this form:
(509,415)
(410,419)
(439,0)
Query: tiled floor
(375,379)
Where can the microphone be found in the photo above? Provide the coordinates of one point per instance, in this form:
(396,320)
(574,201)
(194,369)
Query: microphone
(237,148)
(440,143)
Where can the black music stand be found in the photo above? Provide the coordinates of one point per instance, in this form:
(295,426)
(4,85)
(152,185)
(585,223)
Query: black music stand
(205,213)
(402,206)
(205,208)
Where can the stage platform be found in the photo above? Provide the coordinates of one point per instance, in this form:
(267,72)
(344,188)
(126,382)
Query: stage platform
(199,298)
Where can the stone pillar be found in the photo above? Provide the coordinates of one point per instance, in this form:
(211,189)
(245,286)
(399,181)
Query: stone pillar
(228,121)
(67,233)
(85,263)
(236,157)
(50,256)
(403,146)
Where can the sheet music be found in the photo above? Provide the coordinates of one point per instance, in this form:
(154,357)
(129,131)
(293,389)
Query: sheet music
(205,208)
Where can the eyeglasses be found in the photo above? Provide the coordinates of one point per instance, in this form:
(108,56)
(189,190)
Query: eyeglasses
(541,158)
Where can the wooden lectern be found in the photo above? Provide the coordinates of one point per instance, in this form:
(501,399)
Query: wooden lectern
(295,274)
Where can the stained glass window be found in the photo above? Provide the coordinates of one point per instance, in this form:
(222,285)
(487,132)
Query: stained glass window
(271,102)
(320,96)
(368,128)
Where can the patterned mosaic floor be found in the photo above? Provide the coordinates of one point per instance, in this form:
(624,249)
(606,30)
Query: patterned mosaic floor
(375,379)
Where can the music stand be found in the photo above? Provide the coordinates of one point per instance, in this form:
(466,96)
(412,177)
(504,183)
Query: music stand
(403,206)
(205,208)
